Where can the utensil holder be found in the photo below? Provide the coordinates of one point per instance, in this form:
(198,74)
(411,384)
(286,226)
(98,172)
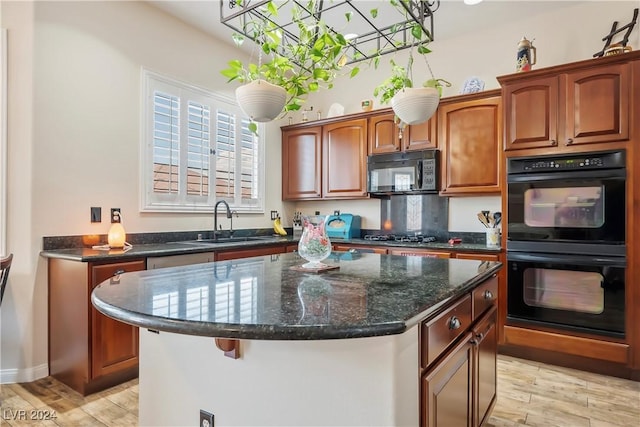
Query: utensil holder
(493,237)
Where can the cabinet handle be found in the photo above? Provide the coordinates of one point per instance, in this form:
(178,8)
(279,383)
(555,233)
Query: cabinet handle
(477,339)
(118,272)
(554,142)
(488,295)
(454,323)
(569,141)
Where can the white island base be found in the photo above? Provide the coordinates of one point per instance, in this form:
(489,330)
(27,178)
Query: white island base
(343,382)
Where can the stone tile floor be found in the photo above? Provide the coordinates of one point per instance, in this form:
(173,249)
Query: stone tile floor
(529,394)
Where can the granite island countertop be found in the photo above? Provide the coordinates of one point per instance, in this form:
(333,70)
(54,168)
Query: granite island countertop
(264,298)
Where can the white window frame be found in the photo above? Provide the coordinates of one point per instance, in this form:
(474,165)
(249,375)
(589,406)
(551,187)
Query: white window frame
(156,202)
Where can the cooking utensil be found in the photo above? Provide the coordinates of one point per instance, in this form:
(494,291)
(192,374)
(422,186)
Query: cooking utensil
(483,218)
(497,218)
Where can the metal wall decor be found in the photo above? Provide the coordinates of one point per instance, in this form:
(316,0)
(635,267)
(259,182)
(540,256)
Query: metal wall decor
(368,36)
(615,30)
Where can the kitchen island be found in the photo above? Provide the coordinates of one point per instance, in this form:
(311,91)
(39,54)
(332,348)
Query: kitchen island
(356,345)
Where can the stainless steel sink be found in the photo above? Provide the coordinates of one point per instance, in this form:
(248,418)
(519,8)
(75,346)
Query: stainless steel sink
(221,240)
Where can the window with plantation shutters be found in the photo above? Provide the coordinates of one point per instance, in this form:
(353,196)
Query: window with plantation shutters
(237,161)
(197,149)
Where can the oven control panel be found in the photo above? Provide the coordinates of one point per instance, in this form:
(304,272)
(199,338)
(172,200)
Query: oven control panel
(573,163)
(599,160)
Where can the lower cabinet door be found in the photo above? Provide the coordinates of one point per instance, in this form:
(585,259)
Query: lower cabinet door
(485,376)
(114,345)
(447,388)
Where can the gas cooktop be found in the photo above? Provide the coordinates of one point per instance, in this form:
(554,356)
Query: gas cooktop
(410,238)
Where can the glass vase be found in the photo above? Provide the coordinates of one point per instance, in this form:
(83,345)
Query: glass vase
(314,244)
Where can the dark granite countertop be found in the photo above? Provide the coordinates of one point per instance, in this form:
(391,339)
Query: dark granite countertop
(84,254)
(263,298)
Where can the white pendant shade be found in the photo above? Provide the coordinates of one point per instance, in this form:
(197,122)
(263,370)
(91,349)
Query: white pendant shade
(261,100)
(415,105)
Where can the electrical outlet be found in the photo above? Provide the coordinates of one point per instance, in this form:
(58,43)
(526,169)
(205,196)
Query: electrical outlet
(274,215)
(206,419)
(96,214)
(115,215)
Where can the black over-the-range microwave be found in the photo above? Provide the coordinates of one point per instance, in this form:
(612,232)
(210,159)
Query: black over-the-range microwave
(414,172)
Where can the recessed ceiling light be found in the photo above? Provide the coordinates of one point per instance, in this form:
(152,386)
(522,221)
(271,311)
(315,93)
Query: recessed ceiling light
(472,2)
(351,36)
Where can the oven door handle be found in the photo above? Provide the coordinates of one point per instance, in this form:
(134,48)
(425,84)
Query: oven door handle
(579,174)
(567,259)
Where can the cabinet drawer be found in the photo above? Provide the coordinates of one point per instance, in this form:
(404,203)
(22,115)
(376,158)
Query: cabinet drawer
(419,252)
(100,273)
(438,333)
(478,256)
(484,296)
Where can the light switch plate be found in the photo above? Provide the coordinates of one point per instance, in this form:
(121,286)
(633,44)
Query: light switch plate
(96,214)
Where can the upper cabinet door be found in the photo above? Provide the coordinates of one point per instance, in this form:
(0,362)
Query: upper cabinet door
(597,106)
(421,136)
(470,139)
(302,163)
(531,113)
(344,159)
(384,135)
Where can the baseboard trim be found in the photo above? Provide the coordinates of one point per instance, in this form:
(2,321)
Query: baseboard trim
(27,375)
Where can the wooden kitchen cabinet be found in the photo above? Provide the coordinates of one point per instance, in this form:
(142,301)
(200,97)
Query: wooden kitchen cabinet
(421,136)
(360,248)
(325,162)
(470,141)
(485,373)
(447,389)
(419,252)
(385,135)
(562,107)
(87,350)
(302,163)
(458,362)
(344,159)
(477,256)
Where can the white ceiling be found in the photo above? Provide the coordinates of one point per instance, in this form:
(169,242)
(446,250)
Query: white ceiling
(451,19)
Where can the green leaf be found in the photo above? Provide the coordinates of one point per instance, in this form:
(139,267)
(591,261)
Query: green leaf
(319,73)
(271,7)
(374,13)
(348,15)
(253,127)
(423,49)
(230,73)
(235,63)
(354,72)
(238,39)
(416,31)
(313,87)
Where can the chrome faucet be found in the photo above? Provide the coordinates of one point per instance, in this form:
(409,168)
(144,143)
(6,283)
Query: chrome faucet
(215,217)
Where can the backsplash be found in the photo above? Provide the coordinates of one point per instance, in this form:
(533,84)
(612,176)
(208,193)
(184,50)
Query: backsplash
(427,214)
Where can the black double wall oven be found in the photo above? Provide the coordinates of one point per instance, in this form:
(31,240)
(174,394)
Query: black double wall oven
(566,252)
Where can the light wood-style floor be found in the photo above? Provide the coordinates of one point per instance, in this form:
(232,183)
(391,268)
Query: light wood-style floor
(529,394)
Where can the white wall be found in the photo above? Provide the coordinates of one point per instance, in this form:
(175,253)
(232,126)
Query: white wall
(73,132)
(570,33)
(73,141)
